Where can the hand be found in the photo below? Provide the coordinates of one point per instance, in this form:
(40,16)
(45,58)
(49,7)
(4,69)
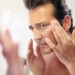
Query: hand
(36,63)
(10,52)
(65,49)
(73,34)
(10,49)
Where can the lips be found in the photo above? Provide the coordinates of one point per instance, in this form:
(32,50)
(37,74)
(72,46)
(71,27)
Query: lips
(42,45)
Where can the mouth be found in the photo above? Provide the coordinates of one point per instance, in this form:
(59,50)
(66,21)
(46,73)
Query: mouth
(42,45)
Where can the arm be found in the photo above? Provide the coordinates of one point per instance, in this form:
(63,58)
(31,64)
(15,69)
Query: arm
(15,67)
(10,52)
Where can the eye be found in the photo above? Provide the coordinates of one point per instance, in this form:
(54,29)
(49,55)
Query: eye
(43,26)
(31,28)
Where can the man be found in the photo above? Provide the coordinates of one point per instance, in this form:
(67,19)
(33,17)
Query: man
(55,46)
(45,17)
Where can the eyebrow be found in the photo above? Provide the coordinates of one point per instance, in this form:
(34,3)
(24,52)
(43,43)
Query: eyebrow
(40,23)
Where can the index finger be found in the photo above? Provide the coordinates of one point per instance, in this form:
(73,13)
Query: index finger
(51,44)
(5,40)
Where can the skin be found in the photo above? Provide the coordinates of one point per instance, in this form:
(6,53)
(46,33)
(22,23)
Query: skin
(73,34)
(43,14)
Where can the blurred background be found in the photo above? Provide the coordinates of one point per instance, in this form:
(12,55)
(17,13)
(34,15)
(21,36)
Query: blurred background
(14,16)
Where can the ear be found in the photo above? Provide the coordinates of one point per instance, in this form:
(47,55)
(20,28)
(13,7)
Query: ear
(66,23)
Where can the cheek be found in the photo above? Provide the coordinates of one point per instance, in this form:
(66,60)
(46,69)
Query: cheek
(49,34)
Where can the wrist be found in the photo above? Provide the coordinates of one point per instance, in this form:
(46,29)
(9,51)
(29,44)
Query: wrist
(38,73)
(71,67)
(13,61)
(41,72)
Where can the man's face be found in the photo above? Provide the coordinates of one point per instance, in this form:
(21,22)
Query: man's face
(39,19)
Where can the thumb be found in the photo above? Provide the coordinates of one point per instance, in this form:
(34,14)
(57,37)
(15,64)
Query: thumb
(38,51)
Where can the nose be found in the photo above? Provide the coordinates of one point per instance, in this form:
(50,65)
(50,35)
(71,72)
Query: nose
(37,35)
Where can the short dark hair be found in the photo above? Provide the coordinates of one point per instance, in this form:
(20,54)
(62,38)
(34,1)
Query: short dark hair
(61,9)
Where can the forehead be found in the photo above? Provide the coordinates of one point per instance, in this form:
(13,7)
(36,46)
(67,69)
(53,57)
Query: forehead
(41,14)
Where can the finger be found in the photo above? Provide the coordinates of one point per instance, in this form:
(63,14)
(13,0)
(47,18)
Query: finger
(30,46)
(16,45)
(30,54)
(4,40)
(38,51)
(49,42)
(8,33)
(57,37)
